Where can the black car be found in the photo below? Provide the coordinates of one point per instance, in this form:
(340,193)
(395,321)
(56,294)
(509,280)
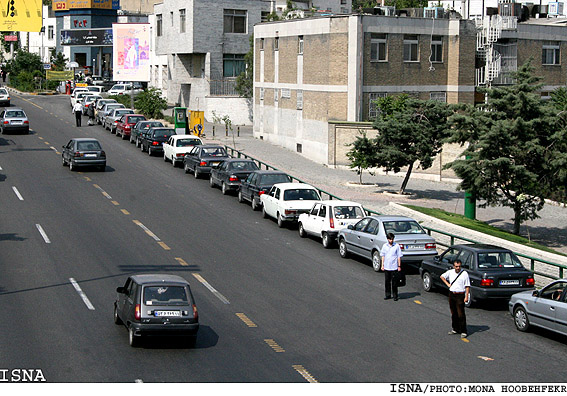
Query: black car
(201,159)
(152,139)
(494,272)
(258,183)
(135,134)
(82,152)
(230,173)
(156,304)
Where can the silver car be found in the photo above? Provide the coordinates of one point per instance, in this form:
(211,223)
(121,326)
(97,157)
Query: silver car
(366,238)
(545,308)
(111,120)
(107,109)
(82,152)
(99,106)
(13,120)
(4,98)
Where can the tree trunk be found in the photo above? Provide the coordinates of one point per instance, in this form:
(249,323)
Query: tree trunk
(517,221)
(406,179)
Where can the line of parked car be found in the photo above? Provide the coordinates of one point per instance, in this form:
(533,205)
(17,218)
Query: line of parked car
(495,272)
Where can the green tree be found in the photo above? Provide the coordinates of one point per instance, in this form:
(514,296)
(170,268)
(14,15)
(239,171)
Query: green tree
(409,130)
(362,154)
(244,81)
(58,60)
(150,103)
(516,147)
(559,99)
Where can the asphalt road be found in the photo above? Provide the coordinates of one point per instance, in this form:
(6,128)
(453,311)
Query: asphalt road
(273,307)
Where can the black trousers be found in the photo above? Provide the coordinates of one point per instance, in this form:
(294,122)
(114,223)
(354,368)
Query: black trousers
(391,283)
(78,117)
(458,317)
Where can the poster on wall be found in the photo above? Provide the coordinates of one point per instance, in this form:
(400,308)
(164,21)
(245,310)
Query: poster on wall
(20,15)
(83,37)
(131,51)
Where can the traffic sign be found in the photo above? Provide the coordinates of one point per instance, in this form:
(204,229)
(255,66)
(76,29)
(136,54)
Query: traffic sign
(46,66)
(11,38)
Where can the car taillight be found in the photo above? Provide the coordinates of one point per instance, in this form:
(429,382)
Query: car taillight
(332,222)
(77,154)
(26,122)
(102,154)
(430,246)
(203,163)
(195,313)
(6,122)
(233,178)
(154,143)
(138,312)
(261,192)
(401,246)
(180,155)
(486,282)
(530,282)
(128,127)
(290,211)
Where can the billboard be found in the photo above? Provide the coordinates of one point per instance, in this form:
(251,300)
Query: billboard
(86,37)
(59,75)
(63,5)
(21,15)
(131,51)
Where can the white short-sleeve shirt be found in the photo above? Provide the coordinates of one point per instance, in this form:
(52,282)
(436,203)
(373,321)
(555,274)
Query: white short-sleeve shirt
(459,285)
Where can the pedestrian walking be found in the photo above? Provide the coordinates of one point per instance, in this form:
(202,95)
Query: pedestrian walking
(391,255)
(90,113)
(458,282)
(78,110)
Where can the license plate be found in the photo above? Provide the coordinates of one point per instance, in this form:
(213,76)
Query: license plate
(17,122)
(414,247)
(214,163)
(509,282)
(167,313)
(90,155)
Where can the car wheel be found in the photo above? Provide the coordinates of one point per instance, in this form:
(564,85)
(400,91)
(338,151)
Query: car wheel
(150,151)
(254,204)
(301,230)
(239,197)
(71,166)
(164,157)
(376,261)
(142,147)
(196,173)
(343,251)
(173,162)
(137,143)
(124,137)
(133,340)
(116,317)
(224,188)
(211,181)
(521,319)
(186,168)
(264,214)
(64,162)
(326,240)
(280,220)
(427,281)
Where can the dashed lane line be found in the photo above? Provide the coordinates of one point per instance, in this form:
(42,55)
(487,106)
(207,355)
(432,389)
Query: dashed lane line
(304,373)
(146,229)
(274,345)
(246,320)
(181,261)
(42,232)
(82,294)
(211,289)
(17,193)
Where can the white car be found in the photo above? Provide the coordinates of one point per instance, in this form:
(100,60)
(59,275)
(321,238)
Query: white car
(177,146)
(95,90)
(286,201)
(327,218)
(77,91)
(89,100)
(4,98)
(122,89)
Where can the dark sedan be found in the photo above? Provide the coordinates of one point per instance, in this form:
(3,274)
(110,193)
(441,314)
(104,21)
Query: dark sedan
(201,159)
(82,152)
(230,173)
(259,182)
(494,272)
(136,132)
(153,139)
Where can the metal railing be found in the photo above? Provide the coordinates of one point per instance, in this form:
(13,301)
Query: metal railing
(440,241)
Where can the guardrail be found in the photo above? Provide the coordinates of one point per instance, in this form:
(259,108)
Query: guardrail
(451,237)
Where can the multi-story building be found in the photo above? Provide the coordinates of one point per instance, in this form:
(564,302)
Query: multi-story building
(43,42)
(329,6)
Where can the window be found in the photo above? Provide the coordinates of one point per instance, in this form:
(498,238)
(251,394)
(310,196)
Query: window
(411,48)
(378,47)
(436,49)
(234,21)
(262,44)
(373,109)
(550,53)
(159,28)
(171,17)
(276,94)
(276,43)
(50,32)
(323,211)
(261,93)
(264,17)
(440,96)
(182,21)
(300,45)
(299,100)
(233,65)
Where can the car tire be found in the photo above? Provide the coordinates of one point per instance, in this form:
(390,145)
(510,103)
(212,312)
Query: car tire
(427,281)
(376,261)
(64,162)
(279,220)
(137,143)
(254,204)
(186,168)
(239,197)
(224,188)
(124,137)
(301,230)
(142,147)
(343,250)
(196,173)
(173,162)
(71,166)
(264,214)
(211,181)
(164,157)
(117,319)
(150,151)
(521,319)
(133,340)
(326,241)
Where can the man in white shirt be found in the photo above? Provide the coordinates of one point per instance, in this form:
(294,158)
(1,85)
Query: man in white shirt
(78,110)
(458,282)
(391,263)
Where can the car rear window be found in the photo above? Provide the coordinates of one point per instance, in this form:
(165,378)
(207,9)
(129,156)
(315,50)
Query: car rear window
(348,212)
(163,132)
(301,194)
(403,227)
(243,166)
(15,114)
(3,92)
(187,142)
(276,178)
(498,260)
(88,146)
(151,125)
(136,119)
(215,152)
(165,295)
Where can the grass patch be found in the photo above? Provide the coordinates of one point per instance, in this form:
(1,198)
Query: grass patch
(480,226)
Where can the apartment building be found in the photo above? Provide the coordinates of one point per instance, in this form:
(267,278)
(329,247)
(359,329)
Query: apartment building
(43,42)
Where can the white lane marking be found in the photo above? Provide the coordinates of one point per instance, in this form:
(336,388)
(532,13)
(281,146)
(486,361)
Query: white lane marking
(1,168)
(82,294)
(43,234)
(138,381)
(212,289)
(143,227)
(17,193)
(102,191)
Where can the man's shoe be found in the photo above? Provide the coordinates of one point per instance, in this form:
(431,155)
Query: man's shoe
(395,298)
(452,332)
(387,298)
(463,335)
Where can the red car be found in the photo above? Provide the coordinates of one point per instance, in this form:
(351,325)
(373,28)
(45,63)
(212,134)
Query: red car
(125,124)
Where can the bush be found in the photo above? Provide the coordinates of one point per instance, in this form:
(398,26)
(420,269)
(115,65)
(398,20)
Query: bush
(124,99)
(150,103)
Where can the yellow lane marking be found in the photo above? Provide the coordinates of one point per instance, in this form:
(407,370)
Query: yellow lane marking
(417,302)
(246,320)
(486,359)
(465,340)
(304,373)
(146,230)
(29,101)
(87,178)
(211,289)
(274,345)
(125,211)
(40,138)
(164,246)
(46,143)
(115,203)
(181,261)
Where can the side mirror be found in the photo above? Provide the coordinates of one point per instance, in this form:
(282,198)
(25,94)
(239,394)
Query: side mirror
(437,258)
(350,227)
(535,293)
(121,290)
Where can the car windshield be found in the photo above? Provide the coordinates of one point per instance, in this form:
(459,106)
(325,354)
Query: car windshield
(15,113)
(498,260)
(348,212)
(297,194)
(214,152)
(114,106)
(165,295)
(117,87)
(3,92)
(133,120)
(92,145)
(163,132)
(275,178)
(243,166)
(187,142)
(403,227)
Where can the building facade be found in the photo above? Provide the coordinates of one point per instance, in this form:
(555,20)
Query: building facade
(43,42)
